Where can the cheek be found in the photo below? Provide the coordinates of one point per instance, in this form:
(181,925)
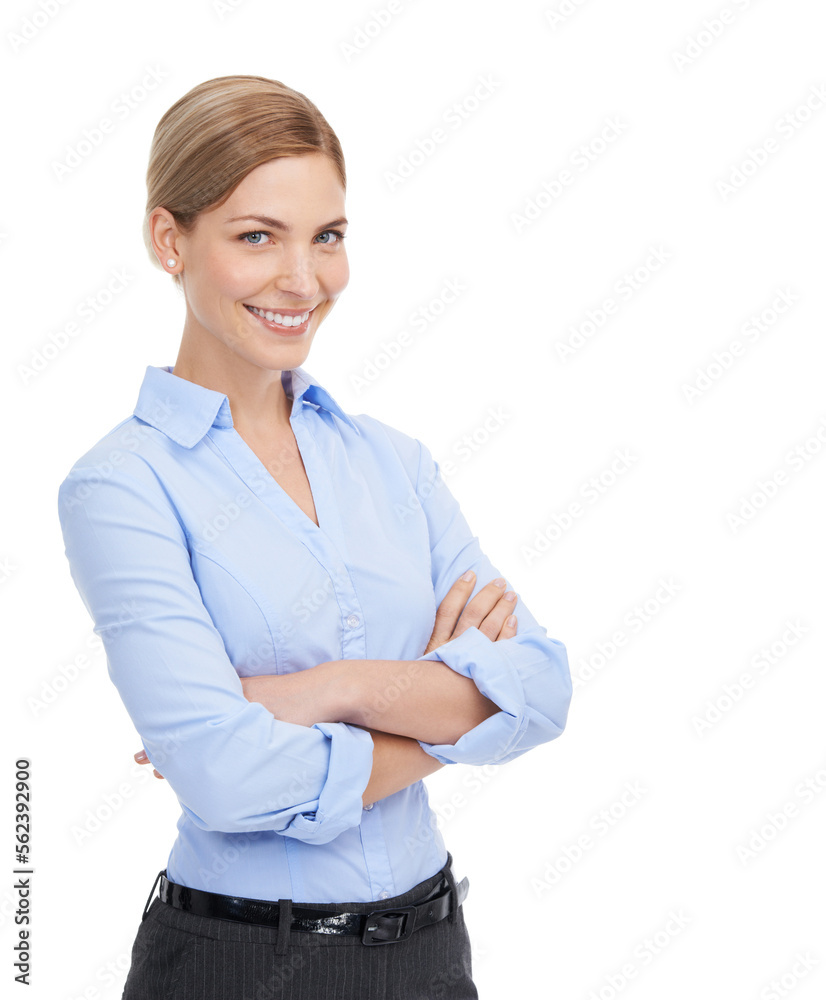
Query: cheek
(226,275)
(338,275)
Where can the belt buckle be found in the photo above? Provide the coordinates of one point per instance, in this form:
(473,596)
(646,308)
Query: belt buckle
(379,920)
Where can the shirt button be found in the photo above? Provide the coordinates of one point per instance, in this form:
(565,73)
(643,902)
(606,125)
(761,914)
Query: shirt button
(384,895)
(353,620)
(368,808)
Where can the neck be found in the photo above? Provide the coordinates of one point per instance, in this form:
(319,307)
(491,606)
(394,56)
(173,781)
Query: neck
(258,403)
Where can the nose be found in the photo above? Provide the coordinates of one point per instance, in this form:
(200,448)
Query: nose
(296,274)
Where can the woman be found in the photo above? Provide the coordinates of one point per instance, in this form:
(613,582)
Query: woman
(295,612)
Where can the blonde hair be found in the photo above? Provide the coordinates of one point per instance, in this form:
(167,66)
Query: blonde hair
(210,139)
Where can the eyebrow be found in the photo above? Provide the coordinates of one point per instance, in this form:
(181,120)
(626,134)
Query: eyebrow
(278,224)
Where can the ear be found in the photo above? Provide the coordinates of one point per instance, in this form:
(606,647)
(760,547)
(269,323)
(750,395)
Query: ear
(165,236)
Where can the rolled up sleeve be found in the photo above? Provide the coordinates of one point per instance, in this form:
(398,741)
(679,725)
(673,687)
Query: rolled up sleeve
(526,676)
(233,767)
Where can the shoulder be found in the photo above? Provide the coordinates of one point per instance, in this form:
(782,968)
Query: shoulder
(407,448)
(126,453)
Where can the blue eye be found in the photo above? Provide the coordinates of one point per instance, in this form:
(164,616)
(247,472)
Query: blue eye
(258,237)
(334,232)
(253,243)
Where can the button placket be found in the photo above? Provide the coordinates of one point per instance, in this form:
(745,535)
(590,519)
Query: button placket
(331,541)
(376,854)
(325,544)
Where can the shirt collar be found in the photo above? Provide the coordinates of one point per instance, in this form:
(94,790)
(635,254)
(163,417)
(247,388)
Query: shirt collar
(185,410)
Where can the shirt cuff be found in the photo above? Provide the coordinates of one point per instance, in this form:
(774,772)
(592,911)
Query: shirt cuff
(488,664)
(339,804)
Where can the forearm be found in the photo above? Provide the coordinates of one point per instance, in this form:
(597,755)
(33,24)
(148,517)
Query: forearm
(421,699)
(397,762)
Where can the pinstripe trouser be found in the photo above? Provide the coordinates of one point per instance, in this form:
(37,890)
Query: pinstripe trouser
(181,956)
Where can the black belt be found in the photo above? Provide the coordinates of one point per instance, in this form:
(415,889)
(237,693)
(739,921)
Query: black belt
(377,927)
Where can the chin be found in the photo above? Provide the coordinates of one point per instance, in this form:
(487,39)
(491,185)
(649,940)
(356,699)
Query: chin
(282,356)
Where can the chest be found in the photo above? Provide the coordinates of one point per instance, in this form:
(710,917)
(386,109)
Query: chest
(284,592)
(282,459)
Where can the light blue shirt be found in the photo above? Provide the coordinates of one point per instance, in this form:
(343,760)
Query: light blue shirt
(197,568)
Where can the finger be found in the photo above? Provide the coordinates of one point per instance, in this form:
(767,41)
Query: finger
(495,620)
(447,614)
(141,758)
(482,605)
(508,629)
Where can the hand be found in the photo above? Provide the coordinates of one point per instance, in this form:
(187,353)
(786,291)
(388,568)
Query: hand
(488,611)
(141,758)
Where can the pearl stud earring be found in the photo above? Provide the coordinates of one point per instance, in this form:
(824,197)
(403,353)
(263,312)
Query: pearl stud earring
(171,262)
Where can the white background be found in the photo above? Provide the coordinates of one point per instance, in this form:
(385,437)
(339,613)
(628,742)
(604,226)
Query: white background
(723,829)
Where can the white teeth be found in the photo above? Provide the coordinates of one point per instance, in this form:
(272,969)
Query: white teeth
(274,317)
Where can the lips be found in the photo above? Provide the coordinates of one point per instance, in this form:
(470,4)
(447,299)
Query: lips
(281,317)
(293,329)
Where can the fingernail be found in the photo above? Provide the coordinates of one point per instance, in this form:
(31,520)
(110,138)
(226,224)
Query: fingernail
(499,581)
(140,755)
(467,577)
(511,621)
(511,595)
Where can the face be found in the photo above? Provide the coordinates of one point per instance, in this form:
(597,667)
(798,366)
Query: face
(254,267)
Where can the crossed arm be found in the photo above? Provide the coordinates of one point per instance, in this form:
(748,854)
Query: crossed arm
(397,701)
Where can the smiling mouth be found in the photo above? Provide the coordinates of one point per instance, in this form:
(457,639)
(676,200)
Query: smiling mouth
(287,320)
